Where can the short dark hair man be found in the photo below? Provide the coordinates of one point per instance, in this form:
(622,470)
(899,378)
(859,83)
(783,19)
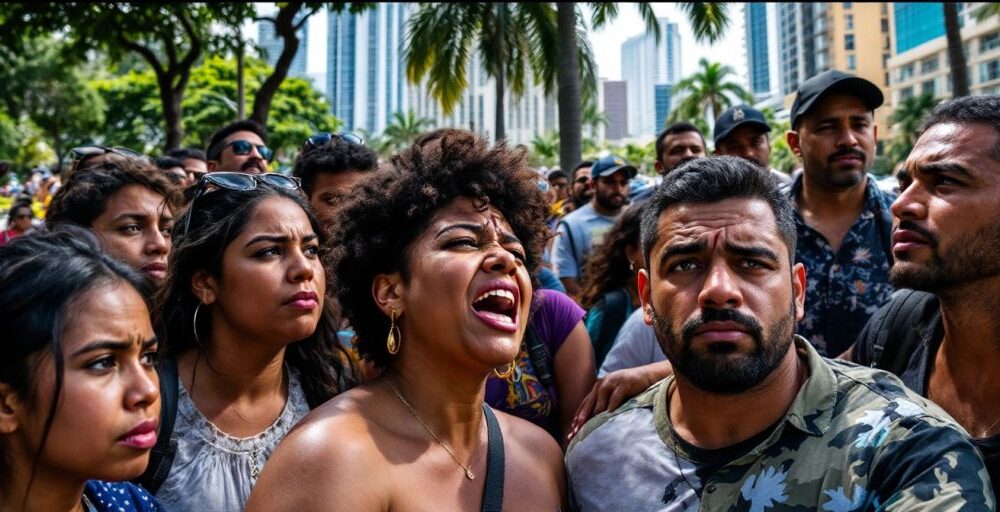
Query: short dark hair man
(742,131)
(240,146)
(842,216)
(580,230)
(580,189)
(559,182)
(173,169)
(679,143)
(754,417)
(329,171)
(194,162)
(944,341)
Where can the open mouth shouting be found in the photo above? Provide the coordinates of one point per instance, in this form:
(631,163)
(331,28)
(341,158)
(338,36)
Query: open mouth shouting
(496,305)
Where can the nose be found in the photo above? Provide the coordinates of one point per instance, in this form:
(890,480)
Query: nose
(301,268)
(157,243)
(499,260)
(142,388)
(911,203)
(721,288)
(847,137)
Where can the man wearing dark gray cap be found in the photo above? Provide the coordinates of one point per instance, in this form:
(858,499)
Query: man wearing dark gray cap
(742,131)
(842,217)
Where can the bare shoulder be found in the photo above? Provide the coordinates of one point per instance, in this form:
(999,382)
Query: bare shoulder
(536,477)
(530,442)
(330,460)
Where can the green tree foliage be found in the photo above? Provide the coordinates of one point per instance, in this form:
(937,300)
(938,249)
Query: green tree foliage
(906,118)
(297,110)
(782,157)
(709,91)
(545,149)
(403,129)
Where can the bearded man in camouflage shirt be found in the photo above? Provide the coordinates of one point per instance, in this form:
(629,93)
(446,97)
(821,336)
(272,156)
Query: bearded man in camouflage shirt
(754,418)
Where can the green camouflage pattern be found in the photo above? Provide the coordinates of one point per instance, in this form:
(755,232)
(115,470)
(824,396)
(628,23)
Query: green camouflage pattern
(853,439)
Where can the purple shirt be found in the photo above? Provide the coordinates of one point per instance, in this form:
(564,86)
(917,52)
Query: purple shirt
(522,394)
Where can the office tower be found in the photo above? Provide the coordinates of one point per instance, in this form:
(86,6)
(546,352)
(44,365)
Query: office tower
(646,64)
(616,109)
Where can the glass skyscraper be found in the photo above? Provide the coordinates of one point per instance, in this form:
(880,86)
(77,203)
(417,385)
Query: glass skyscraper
(758,63)
(917,23)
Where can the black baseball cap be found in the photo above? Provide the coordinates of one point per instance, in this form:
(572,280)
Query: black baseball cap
(834,81)
(735,117)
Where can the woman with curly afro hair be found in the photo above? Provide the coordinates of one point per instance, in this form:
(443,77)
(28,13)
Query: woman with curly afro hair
(433,261)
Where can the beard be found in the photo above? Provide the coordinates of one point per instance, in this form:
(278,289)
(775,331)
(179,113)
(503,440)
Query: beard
(972,257)
(613,202)
(721,370)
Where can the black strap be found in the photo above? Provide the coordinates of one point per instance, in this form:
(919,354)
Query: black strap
(493,490)
(162,456)
(899,322)
(539,355)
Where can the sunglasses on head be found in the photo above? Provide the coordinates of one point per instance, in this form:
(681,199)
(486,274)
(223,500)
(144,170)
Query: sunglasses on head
(238,181)
(244,147)
(88,151)
(324,137)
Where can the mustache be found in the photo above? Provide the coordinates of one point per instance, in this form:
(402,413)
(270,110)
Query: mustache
(849,152)
(909,225)
(722,315)
(254,162)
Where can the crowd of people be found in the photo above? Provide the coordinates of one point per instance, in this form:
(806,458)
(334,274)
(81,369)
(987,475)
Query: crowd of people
(450,329)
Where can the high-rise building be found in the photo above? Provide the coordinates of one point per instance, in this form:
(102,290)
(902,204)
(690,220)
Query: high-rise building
(920,64)
(365,71)
(758,58)
(646,64)
(662,103)
(616,109)
(271,45)
(849,36)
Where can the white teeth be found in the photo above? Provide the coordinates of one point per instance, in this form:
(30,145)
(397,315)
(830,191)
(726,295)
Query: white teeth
(507,294)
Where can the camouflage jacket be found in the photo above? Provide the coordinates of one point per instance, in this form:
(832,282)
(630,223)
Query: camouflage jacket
(853,439)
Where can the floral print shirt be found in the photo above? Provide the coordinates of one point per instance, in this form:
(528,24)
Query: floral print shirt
(844,288)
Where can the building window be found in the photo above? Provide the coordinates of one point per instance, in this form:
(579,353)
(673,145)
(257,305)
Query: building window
(847,5)
(849,21)
(989,42)
(989,70)
(848,41)
(928,88)
(906,72)
(905,92)
(929,65)
(852,62)
(885,25)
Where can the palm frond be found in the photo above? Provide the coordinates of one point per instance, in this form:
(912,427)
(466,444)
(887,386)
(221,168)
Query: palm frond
(709,20)
(649,18)
(602,13)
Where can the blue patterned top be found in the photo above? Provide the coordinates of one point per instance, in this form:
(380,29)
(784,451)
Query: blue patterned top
(844,288)
(118,497)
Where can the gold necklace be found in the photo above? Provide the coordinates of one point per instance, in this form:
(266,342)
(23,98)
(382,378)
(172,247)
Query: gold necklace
(468,471)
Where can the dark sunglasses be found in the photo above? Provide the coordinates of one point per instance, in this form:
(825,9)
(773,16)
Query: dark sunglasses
(239,181)
(324,137)
(88,151)
(244,147)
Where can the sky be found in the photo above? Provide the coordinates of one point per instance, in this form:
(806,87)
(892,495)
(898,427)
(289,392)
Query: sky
(606,43)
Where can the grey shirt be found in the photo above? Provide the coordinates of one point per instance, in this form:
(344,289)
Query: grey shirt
(636,345)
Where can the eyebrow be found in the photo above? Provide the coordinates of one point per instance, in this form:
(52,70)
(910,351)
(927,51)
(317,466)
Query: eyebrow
(113,345)
(752,251)
(940,167)
(680,249)
(278,238)
(131,215)
(478,230)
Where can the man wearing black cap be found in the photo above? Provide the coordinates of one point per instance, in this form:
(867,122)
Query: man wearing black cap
(842,218)
(742,131)
(586,226)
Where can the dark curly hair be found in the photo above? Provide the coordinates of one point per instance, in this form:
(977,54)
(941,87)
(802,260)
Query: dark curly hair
(84,196)
(394,206)
(333,157)
(607,268)
(217,219)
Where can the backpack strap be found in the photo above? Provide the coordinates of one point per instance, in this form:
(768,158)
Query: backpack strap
(493,489)
(898,323)
(162,455)
(615,311)
(540,357)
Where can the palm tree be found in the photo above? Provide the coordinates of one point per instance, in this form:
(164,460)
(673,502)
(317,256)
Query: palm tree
(907,118)
(956,53)
(403,129)
(592,117)
(511,39)
(708,91)
(545,149)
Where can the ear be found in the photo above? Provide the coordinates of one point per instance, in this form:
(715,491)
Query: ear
(875,133)
(10,406)
(592,184)
(644,296)
(388,291)
(658,165)
(634,255)
(205,287)
(799,290)
(792,138)
(212,165)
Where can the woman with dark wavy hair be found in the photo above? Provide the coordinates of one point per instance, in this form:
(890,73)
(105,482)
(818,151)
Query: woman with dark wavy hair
(609,291)
(433,260)
(243,317)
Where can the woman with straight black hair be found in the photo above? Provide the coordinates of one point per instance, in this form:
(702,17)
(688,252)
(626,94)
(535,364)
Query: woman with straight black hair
(248,341)
(79,396)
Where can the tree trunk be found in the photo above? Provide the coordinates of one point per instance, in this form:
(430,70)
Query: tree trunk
(570,86)
(956,56)
(284,26)
(240,84)
(500,131)
(170,100)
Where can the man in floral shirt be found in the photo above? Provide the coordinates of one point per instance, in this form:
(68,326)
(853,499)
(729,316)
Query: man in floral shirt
(753,419)
(842,218)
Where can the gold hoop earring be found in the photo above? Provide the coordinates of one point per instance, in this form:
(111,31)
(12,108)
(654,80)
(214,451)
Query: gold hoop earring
(508,373)
(395,337)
